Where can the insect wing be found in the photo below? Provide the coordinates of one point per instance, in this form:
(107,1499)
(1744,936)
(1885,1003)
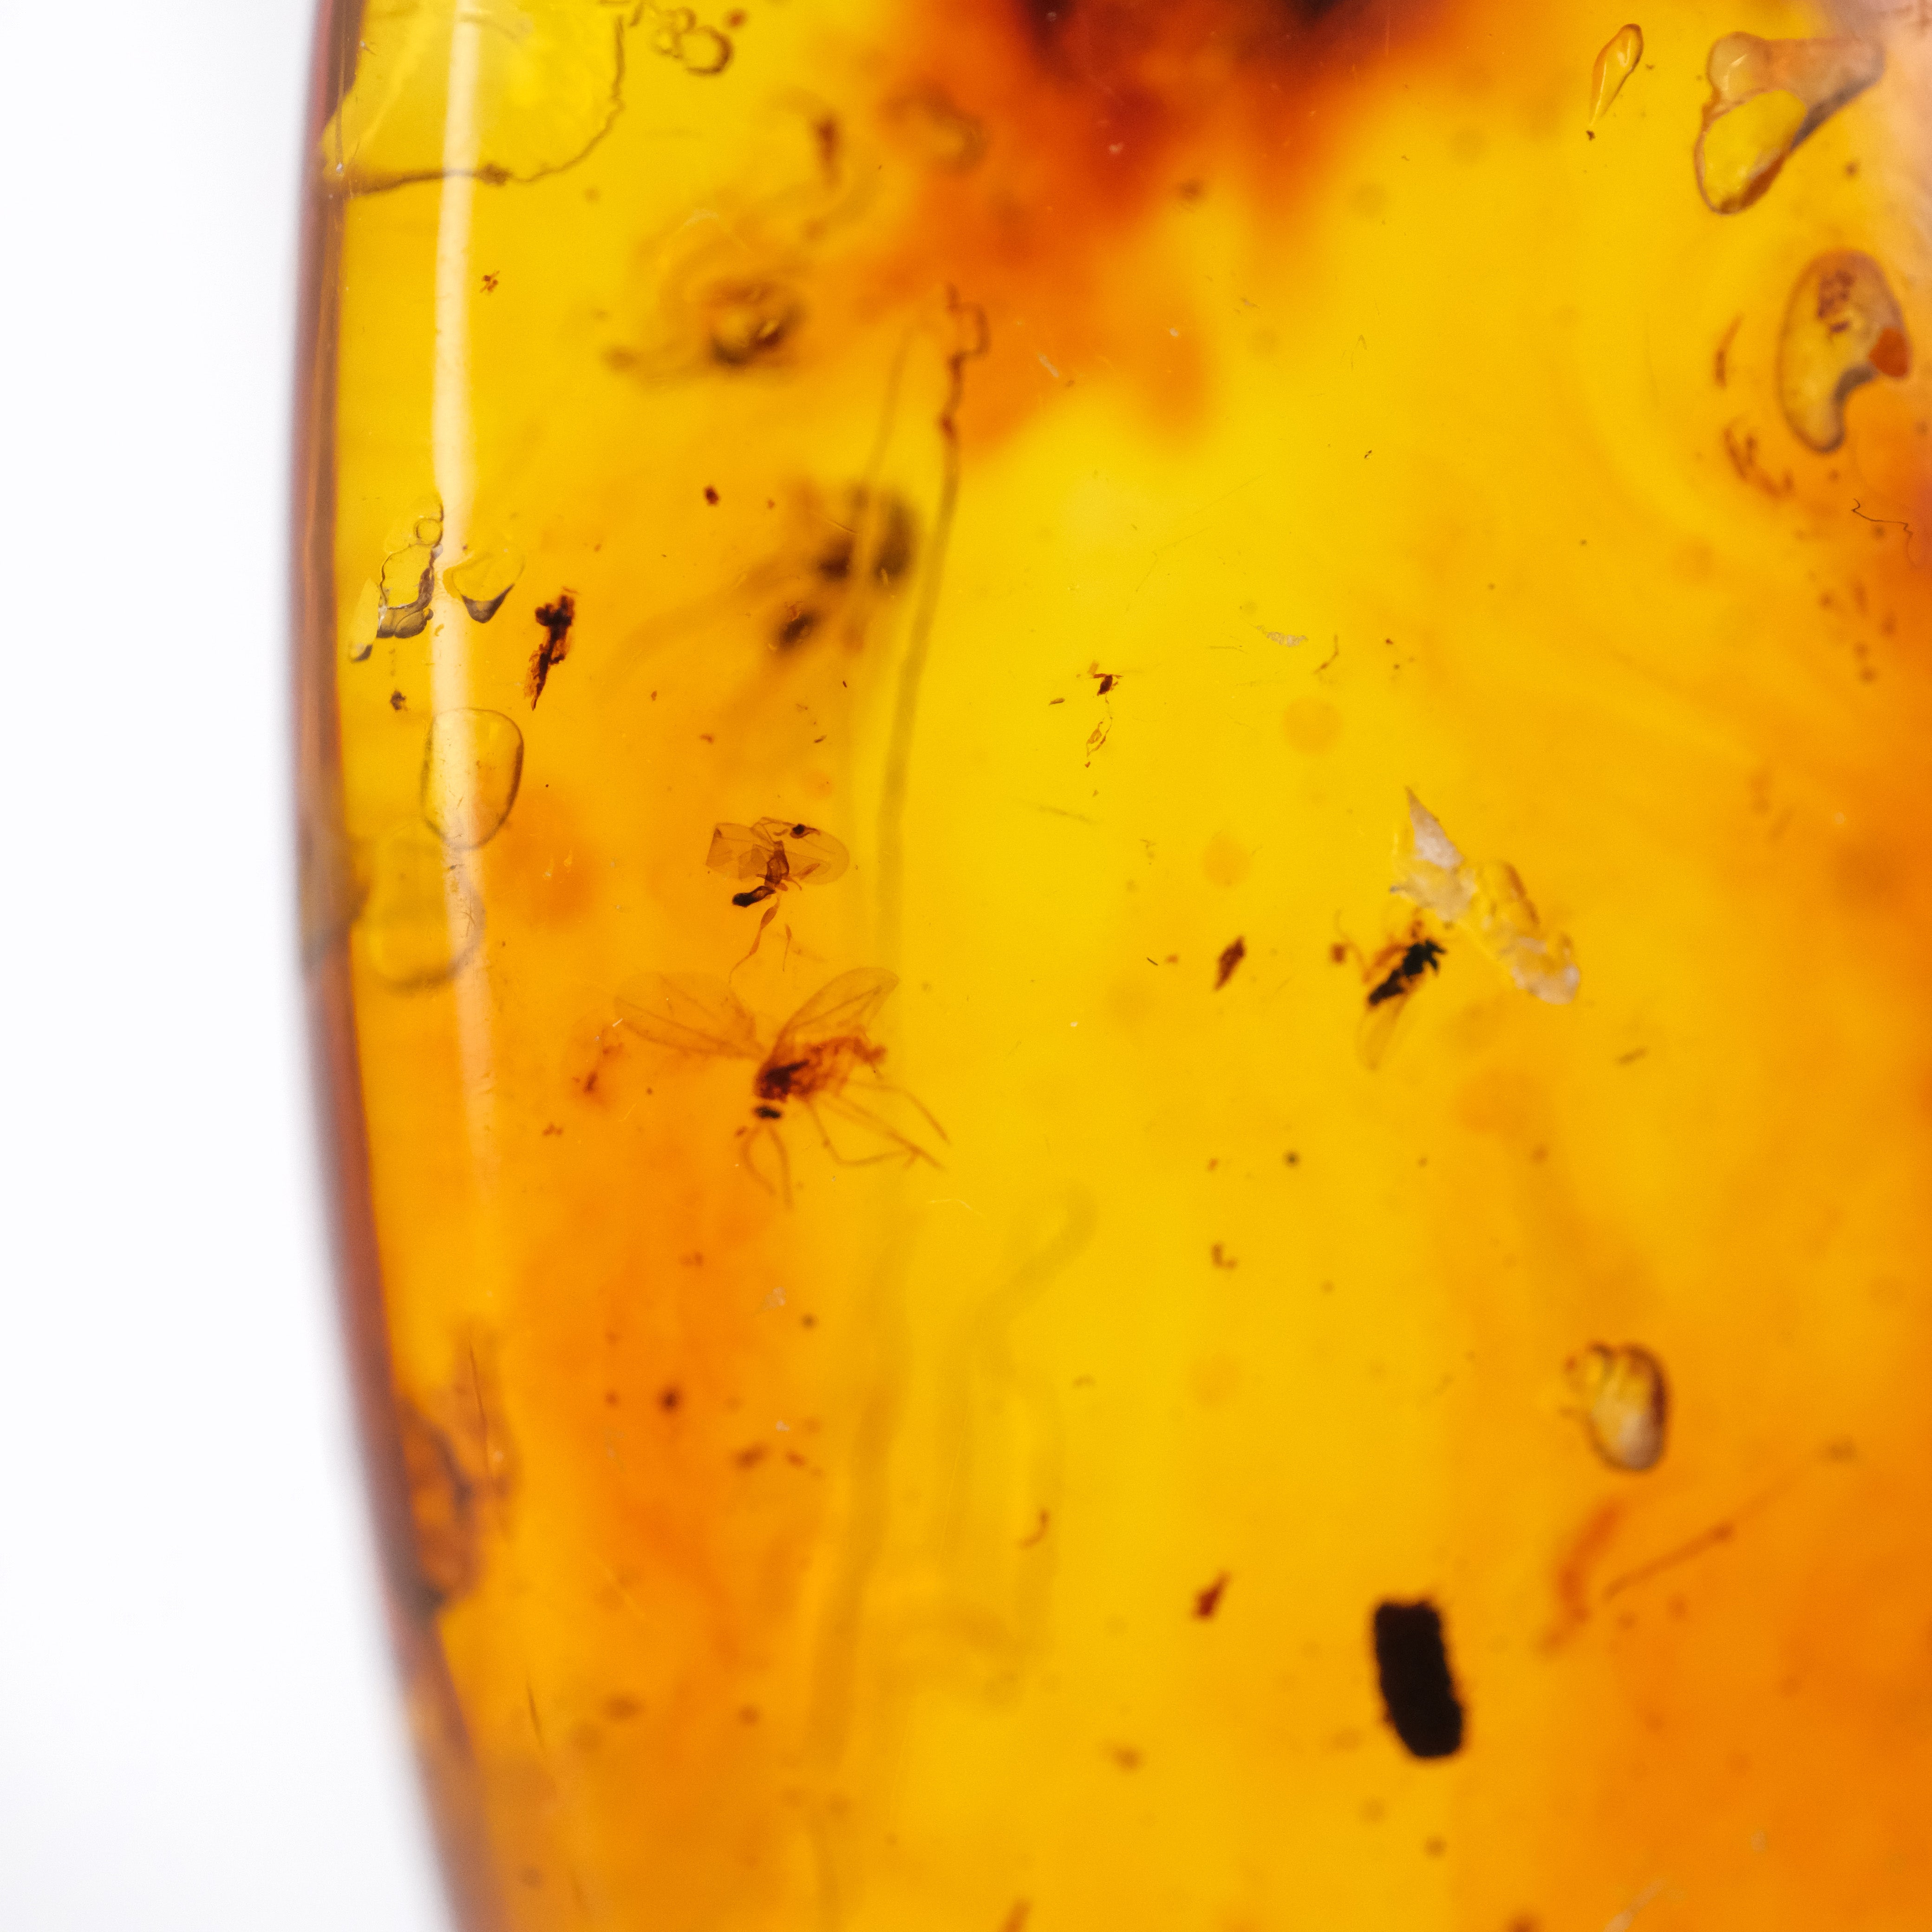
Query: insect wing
(743,851)
(813,857)
(840,1008)
(693,1012)
(1378,1025)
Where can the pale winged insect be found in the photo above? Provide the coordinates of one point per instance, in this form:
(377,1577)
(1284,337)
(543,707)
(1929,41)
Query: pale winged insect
(1393,975)
(772,856)
(776,854)
(821,1054)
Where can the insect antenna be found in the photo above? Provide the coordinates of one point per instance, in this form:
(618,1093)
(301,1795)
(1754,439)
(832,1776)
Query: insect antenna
(768,1130)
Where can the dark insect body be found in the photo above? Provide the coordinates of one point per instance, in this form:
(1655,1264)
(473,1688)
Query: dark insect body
(1418,957)
(778,855)
(556,619)
(1418,1689)
(1392,975)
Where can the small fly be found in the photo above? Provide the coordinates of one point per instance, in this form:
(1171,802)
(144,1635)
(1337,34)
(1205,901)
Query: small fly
(777,855)
(1392,976)
(821,1054)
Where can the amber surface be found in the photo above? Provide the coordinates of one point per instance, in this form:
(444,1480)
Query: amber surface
(1115,821)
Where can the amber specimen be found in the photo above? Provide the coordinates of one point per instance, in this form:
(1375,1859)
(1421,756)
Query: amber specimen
(1291,1289)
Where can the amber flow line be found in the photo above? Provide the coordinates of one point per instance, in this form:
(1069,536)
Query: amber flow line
(968,323)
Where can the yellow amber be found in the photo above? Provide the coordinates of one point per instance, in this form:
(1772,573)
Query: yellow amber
(1212,777)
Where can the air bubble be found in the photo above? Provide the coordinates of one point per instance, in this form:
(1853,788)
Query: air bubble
(408,580)
(546,85)
(484,578)
(473,763)
(1766,97)
(1616,61)
(364,620)
(750,322)
(1843,328)
(443,1508)
(936,132)
(1626,1403)
(677,35)
(705,51)
(422,921)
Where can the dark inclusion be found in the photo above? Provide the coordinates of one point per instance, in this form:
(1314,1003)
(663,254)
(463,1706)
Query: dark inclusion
(751,322)
(1048,18)
(1418,1694)
(1420,958)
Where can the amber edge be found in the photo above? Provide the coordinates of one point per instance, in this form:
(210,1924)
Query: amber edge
(445,1765)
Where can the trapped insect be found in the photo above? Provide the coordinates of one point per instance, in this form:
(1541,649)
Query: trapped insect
(820,1053)
(1394,974)
(778,854)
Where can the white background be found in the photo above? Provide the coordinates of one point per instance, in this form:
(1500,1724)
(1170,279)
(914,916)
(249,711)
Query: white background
(198,1728)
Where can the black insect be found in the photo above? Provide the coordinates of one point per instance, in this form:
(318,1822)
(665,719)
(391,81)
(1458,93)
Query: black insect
(1418,957)
(1392,975)
(1412,1666)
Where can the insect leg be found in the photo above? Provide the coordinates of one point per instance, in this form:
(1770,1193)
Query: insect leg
(912,1099)
(771,913)
(844,1105)
(751,1136)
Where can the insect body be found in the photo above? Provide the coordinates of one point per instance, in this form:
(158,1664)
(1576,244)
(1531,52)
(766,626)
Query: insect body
(820,1054)
(1418,957)
(1392,976)
(777,854)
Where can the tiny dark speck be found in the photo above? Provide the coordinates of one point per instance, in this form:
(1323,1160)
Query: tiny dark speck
(397,700)
(1232,954)
(669,1398)
(710,494)
(1207,1601)
(1419,1694)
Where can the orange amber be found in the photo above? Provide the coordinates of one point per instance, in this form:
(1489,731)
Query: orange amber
(1116,883)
